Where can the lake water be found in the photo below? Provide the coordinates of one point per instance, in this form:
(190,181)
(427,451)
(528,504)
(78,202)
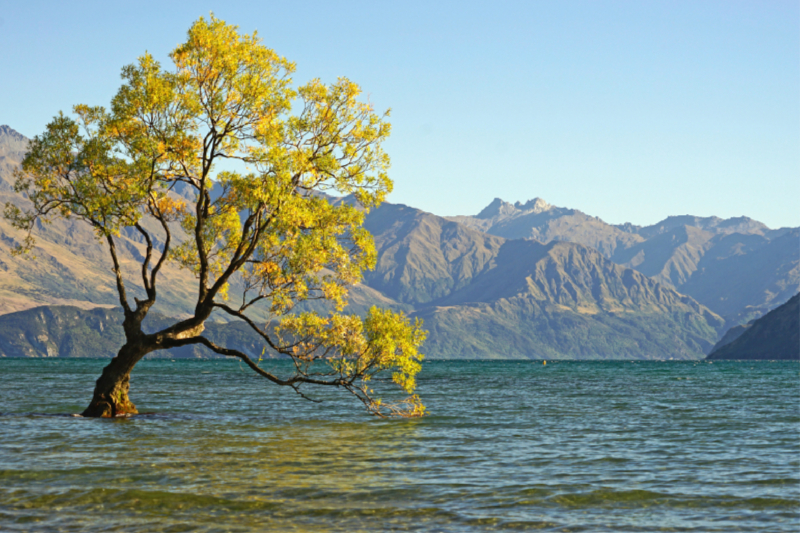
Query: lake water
(508,446)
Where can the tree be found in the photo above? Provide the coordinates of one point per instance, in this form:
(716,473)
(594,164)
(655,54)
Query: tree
(221,125)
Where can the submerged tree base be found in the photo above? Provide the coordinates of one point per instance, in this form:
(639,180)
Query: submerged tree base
(109,409)
(111,396)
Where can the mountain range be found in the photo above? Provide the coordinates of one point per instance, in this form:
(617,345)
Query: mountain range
(516,281)
(484,296)
(737,267)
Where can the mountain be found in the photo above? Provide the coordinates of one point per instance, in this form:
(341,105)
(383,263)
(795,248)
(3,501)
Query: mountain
(480,295)
(421,256)
(536,219)
(742,277)
(744,225)
(527,300)
(737,267)
(487,297)
(69,265)
(776,335)
(563,300)
(13,146)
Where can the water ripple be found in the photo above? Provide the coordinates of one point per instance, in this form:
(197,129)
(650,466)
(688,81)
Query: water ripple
(509,446)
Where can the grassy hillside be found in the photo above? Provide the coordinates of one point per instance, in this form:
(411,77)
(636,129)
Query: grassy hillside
(526,328)
(69,265)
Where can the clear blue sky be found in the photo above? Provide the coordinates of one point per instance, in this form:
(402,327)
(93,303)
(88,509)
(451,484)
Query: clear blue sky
(630,111)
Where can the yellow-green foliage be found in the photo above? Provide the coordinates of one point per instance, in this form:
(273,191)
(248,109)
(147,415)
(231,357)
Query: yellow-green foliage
(356,350)
(231,99)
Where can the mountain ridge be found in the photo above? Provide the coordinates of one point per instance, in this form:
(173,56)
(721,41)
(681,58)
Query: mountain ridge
(506,291)
(697,256)
(481,295)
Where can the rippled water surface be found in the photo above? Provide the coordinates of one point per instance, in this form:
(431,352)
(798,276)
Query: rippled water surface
(570,446)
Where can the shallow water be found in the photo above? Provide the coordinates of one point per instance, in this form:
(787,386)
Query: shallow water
(570,446)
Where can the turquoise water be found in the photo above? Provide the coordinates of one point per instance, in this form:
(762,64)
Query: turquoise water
(570,446)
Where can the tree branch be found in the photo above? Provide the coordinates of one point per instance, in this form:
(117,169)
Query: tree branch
(291,382)
(240,256)
(242,316)
(149,252)
(123,298)
(164,251)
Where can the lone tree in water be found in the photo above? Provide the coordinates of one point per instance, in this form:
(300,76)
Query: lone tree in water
(268,227)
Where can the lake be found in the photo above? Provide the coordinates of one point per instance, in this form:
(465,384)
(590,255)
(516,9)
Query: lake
(508,446)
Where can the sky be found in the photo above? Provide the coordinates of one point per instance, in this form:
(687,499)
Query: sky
(628,111)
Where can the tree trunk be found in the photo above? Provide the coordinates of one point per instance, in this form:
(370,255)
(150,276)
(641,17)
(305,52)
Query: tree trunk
(111,390)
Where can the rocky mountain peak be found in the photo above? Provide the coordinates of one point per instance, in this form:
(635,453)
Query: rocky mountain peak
(536,205)
(497,208)
(500,208)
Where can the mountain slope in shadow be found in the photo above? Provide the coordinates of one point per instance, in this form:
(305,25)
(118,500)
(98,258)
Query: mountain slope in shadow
(775,335)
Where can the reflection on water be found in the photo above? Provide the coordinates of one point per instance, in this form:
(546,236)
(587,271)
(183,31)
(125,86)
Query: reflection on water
(611,446)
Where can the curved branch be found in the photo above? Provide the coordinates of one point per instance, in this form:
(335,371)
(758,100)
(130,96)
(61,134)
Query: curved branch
(241,255)
(146,263)
(238,314)
(229,352)
(164,252)
(123,298)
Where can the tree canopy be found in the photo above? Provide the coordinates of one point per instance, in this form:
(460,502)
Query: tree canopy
(259,158)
